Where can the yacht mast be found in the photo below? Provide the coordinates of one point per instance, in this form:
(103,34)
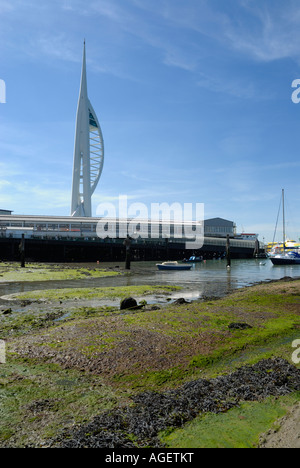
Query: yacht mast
(283,214)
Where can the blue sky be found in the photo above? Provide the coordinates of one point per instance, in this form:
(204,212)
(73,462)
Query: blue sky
(193,97)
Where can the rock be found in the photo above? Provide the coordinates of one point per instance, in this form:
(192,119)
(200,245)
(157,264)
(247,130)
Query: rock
(181,300)
(238,326)
(6,311)
(128,303)
(286,278)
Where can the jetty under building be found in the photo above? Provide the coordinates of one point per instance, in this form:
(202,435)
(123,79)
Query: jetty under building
(75,239)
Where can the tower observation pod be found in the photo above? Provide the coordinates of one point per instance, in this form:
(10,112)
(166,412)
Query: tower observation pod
(88,152)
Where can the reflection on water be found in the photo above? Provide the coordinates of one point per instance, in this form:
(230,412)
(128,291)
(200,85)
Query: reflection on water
(210,278)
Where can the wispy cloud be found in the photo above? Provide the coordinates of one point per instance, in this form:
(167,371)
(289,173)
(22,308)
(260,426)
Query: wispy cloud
(6,6)
(133,23)
(287,165)
(263,30)
(266,31)
(58,46)
(235,87)
(4,184)
(33,198)
(113,11)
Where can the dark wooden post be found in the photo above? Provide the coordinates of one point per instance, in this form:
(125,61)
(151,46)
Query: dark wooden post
(167,249)
(256,248)
(22,251)
(228,255)
(127,243)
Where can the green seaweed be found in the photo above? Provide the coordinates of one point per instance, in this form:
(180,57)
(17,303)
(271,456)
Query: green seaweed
(240,427)
(13,272)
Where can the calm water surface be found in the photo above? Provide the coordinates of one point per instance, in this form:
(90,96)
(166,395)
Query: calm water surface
(212,278)
(204,279)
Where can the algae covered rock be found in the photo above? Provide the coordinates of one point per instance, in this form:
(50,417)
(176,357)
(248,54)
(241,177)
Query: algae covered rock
(128,303)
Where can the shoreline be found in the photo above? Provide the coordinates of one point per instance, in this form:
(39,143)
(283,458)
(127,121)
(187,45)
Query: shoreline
(122,354)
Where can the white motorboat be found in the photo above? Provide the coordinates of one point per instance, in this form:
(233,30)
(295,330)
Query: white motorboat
(173,266)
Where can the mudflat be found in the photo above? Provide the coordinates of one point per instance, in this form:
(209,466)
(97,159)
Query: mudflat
(68,364)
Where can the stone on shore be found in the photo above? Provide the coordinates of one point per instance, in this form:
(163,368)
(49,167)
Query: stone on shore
(128,303)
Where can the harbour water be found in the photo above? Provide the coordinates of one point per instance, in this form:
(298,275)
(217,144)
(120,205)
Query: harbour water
(206,279)
(211,278)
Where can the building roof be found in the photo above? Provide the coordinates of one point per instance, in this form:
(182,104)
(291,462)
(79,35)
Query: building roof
(5,211)
(218,222)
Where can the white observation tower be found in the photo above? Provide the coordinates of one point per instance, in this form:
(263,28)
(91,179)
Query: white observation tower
(88,152)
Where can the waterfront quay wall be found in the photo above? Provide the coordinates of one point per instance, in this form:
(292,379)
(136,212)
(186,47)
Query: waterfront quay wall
(110,250)
(67,239)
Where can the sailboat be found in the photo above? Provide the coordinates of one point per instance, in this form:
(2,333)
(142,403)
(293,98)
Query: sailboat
(287,257)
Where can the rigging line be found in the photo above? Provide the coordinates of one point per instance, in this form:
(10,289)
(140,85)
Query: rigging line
(277,219)
(291,225)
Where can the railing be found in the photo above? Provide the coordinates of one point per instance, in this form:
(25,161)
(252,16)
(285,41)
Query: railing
(88,236)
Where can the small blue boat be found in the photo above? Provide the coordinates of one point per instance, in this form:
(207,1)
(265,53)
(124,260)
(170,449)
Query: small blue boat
(193,259)
(173,266)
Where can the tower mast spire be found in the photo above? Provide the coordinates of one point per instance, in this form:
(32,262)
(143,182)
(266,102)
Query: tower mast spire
(88,151)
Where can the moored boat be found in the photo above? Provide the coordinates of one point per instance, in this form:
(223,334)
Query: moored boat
(193,259)
(290,258)
(290,254)
(173,266)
